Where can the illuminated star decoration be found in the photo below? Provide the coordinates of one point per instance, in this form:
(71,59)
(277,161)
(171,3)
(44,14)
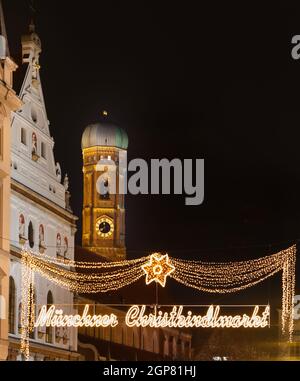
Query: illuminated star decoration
(158,269)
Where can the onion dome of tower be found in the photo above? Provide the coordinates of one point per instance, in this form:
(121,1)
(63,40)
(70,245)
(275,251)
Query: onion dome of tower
(104,134)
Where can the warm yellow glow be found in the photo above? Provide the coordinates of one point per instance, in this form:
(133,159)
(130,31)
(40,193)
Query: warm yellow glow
(158,269)
(211,277)
(37,66)
(54,317)
(136,317)
(107,221)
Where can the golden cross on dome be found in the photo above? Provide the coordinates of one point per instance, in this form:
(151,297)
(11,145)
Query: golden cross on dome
(158,269)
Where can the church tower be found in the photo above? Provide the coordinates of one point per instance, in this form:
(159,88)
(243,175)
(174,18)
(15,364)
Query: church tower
(104,149)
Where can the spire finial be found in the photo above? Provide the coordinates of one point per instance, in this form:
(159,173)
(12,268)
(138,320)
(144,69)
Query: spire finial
(33,12)
(31,26)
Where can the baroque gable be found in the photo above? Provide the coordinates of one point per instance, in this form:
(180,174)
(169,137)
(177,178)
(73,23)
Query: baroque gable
(33,162)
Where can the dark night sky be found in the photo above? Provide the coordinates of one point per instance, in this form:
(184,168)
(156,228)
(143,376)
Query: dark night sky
(185,82)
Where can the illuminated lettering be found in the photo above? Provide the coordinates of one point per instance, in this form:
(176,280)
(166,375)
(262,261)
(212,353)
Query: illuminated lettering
(137,317)
(54,318)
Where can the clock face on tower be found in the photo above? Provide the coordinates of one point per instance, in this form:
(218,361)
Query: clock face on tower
(104,227)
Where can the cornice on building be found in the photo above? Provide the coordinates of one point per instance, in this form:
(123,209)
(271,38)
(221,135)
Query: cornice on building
(35,198)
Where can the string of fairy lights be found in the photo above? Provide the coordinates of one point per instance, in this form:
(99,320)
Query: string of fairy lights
(236,276)
(212,277)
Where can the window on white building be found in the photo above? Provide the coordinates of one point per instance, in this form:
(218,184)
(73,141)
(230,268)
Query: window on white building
(12,306)
(31,235)
(34,114)
(23,136)
(43,150)
(20,318)
(49,330)
(66,247)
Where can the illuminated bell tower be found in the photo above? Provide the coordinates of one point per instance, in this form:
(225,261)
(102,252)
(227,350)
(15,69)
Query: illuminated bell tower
(104,149)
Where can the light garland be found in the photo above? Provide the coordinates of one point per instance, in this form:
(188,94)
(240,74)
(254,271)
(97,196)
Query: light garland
(110,276)
(65,262)
(25,307)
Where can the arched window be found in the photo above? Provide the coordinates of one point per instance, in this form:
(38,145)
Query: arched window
(34,114)
(58,244)
(42,246)
(12,306)
(22,237)
(34,144)
(104,189)
(23,136)
(20,318)
(49,330)
(32,312)
(30,235)
(43,150)
(66,247)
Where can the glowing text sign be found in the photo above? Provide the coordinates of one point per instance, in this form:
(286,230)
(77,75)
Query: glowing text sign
(136,316)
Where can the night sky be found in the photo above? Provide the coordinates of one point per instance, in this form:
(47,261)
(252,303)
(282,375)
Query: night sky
(184,82)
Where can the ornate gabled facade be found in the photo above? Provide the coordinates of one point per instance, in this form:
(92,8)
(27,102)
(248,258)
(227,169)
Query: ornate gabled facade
(32,144)
(8,102)
(40,212)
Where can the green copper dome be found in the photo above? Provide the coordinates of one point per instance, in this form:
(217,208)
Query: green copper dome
(105,135)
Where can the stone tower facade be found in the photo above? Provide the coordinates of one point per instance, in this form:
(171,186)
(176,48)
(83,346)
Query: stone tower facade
(104,148)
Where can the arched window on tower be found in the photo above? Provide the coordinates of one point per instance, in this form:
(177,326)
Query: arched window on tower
(49,330)
(31,235)
(104,189)
(12,306)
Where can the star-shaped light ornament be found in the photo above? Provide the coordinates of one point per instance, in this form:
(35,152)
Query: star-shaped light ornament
(158,269)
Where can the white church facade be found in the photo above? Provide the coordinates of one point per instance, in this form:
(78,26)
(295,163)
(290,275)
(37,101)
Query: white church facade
(41,217)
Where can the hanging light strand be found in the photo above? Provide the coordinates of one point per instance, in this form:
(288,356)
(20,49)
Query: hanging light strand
(209,277)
